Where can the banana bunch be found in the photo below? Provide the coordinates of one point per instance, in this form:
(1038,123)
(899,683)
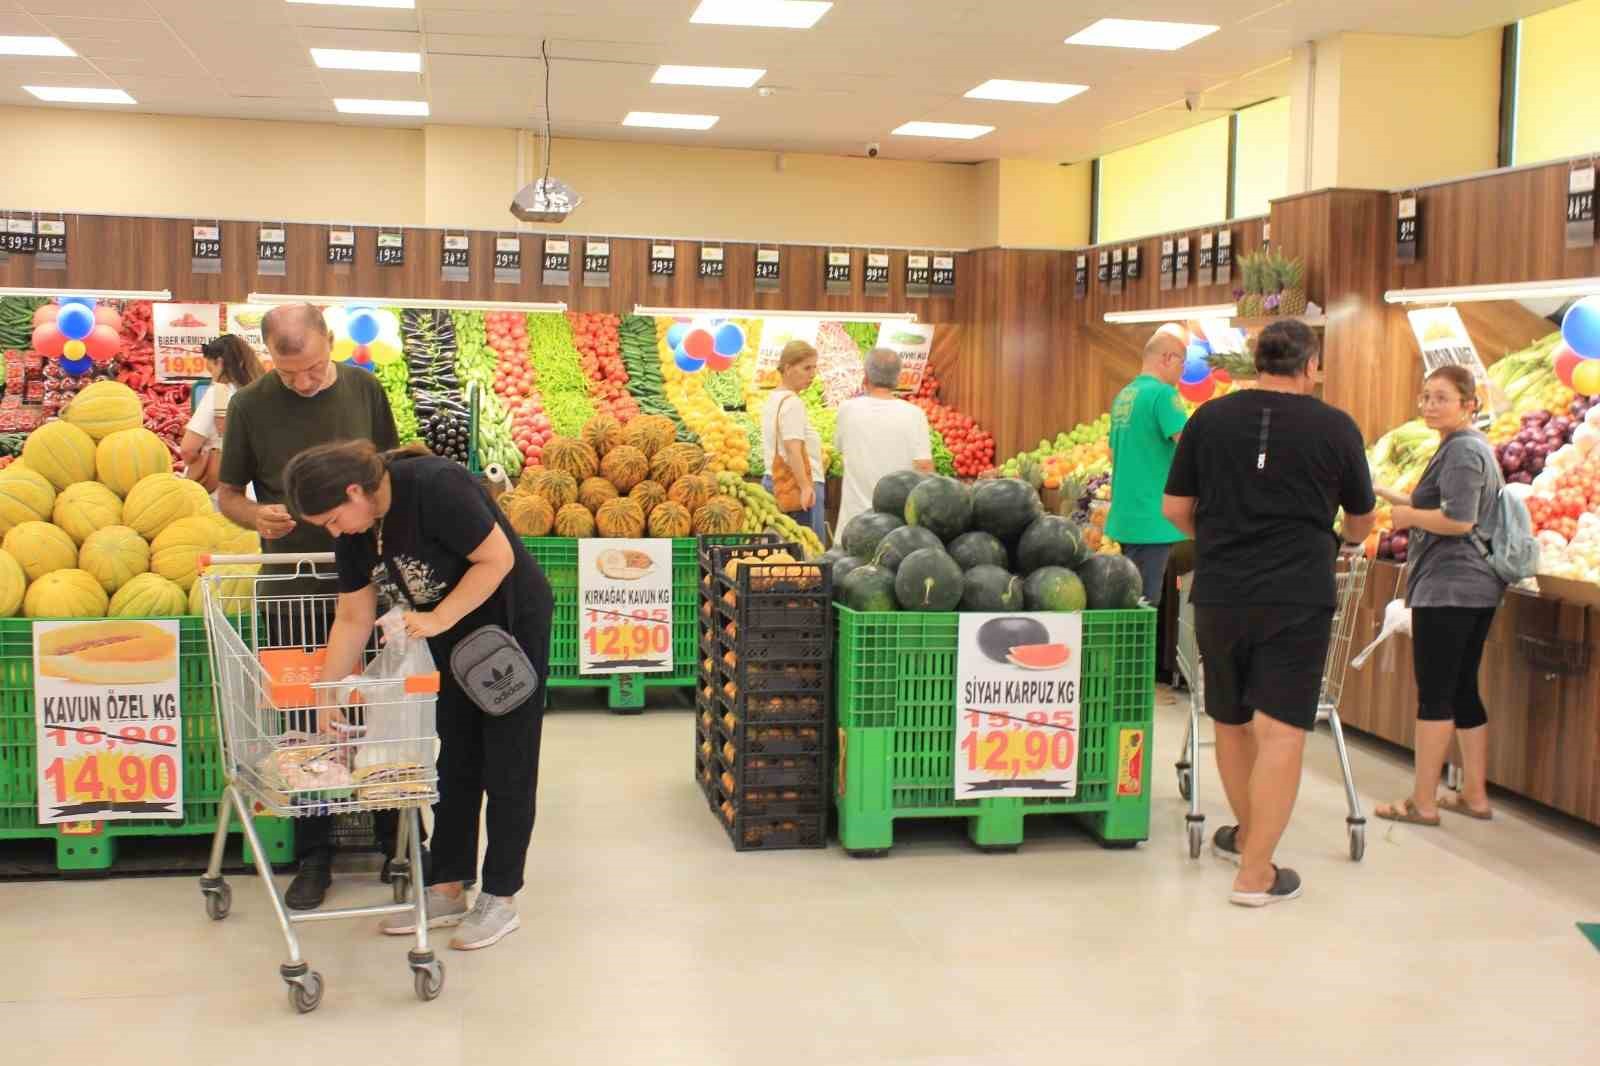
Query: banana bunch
(761,513)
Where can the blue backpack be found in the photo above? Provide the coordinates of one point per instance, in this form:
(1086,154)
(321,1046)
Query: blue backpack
(1512,553)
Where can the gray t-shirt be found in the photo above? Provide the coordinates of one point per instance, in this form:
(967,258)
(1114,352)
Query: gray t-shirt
(1464,482)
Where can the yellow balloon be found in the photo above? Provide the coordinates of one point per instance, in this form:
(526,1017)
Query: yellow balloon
(382,352)
(73,349)
(343,349)
(1585,377)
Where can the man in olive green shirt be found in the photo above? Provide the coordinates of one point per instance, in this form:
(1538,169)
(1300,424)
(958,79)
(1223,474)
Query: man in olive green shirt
(1146,418)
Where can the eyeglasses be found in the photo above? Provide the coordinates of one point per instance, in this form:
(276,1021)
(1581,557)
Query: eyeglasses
(1437,399)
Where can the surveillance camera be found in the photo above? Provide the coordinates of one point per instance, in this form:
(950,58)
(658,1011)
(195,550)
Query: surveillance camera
(873,149)
(1191,101)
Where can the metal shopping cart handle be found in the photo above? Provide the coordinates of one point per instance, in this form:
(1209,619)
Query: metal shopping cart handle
(305,563)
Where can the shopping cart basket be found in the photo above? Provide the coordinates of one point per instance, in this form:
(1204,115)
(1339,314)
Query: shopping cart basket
(1350,578)
(295,747)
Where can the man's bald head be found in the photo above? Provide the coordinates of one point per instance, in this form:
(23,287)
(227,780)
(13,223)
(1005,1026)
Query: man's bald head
(1164,353)
(286,329)
(301,345)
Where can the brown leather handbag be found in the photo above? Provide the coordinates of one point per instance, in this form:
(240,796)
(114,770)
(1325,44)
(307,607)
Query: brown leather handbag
(785,483)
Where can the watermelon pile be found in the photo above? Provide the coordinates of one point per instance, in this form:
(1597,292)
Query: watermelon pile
(932,543)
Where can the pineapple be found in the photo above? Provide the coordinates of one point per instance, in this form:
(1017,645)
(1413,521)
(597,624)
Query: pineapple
(1250,268)
(1293,275)
(1272,283)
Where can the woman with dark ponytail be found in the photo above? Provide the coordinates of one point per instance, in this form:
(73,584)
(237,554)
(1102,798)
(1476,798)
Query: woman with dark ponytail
(408,516)
(232,364)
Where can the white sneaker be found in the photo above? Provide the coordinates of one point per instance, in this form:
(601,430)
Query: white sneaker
(491,919)
(442,911)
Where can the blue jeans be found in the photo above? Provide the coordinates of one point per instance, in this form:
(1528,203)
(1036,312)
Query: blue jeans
(1151,559)
(814,519)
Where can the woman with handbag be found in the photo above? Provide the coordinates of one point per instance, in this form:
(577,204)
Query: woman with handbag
(414,530)
(790,442)
(1453,592)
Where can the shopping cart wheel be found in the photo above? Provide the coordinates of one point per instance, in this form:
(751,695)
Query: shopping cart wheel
(1185,780)
(305,993)
(429,980)
(1358,840)
(219,901)
(1197,835)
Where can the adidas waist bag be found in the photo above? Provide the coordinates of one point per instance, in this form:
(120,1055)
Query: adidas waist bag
(493,670)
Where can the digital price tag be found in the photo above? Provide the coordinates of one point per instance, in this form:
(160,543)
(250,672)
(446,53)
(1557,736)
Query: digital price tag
(341,246)
(557,262)
(712,262)
(455,258)
(1017,705)
(876,275)
(769,269)
(836,272)
(508,260)
(624,606)
(597,264)
(205,250)
(108,733)
(391,248)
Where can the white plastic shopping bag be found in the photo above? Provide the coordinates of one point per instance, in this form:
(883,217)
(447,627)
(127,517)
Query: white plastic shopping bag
(1396,622)
(391,727)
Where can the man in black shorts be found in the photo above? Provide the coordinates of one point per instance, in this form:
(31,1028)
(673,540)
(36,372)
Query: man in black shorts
(1258,479)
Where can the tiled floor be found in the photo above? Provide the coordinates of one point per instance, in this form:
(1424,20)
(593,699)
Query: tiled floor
(646,940)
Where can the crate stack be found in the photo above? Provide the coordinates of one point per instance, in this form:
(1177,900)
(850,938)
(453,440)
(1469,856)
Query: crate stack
(763,705)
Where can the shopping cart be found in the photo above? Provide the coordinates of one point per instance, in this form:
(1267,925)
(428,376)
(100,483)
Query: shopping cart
(1350,578)
(296,747)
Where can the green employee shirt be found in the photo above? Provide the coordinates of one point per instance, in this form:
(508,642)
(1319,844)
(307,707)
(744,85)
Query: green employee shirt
(1145,417)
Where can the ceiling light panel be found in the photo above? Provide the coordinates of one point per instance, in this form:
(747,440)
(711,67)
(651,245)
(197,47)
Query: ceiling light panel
(415,108)
(1026,92)
(663,121)
(65,94)
(360,59)
(773,14)
(1141,33)
(952,131)
(714,77)
(34,46)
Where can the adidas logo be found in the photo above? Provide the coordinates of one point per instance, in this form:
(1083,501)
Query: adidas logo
(499,679)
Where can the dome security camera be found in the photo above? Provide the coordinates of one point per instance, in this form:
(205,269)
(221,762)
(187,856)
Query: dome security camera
(873,148)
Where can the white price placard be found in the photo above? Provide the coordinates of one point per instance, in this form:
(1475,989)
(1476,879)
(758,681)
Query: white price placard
(624,606)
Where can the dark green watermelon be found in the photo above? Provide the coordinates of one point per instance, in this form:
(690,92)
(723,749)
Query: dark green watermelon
(928,580)
(1111,583)
(868,588)
(860,538)
(831,556)
(1004,506)
(978,548)
(942,505)
(889,495)
(899,543)
(841,568)
(1051,541)
(990,588)
(1054,588)
(998,636)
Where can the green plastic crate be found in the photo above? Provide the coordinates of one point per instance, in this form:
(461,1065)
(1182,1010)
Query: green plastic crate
(896,699)
(203,772)
(558,558)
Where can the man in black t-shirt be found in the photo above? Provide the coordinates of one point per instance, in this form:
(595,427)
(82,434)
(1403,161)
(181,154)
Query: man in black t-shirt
(1258,479)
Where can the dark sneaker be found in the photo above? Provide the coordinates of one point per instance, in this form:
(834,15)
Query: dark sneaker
(310,885)
(1285,886)
(1225,845)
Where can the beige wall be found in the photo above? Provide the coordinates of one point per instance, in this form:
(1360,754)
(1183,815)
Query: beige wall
(1553,117)
(1165,184)
(102,162)
(1261,171)
(457,176)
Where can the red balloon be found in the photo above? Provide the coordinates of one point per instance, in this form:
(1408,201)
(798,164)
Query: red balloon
(48,340)
(106,315)
(1222,376)
(1199,391)
(46,313)
(1567,361)
(719,362)
(699,344)
(103,343)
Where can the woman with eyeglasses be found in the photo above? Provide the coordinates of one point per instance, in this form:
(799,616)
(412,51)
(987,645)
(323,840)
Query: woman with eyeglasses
(1453,593)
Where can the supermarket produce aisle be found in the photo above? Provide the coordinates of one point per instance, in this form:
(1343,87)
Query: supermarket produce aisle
(646,939)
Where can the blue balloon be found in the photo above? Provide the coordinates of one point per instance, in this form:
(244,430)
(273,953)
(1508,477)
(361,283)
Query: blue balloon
(363,326)
(77,367)
(75,321)
(686,362)
(728,340)
(1200,346)
(87,301)
(675,335)
(1580,327)
(1195,370)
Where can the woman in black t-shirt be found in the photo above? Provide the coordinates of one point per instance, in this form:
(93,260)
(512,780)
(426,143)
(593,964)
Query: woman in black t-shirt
(408,516)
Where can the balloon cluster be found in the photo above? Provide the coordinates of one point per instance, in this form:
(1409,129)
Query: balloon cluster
(1577,357)
(1200,379)
(362,324)
(76,332)
(698,344)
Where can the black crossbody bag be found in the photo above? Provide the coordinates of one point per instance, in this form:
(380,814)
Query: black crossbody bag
(488,663)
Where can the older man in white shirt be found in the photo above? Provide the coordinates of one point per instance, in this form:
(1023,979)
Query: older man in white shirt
(878,433)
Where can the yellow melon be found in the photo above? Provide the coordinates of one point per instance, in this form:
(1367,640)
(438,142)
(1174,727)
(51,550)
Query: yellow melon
(65,594)
(159,500)
(41,548)
(124,458)
(176,550)
(13,583)
(25,496)
(147,596)
(104,408)
(85,507)
(60,451)
(115,555)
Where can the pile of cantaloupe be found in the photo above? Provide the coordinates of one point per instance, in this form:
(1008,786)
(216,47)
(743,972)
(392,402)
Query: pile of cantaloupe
(94,521)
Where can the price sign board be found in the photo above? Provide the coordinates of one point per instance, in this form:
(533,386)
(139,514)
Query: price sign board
(557,262)
(109,739)
(942,279)
(1169,262)
(1102,272)
(244,322)
(1224,256)
(919,276)
(876,275)
(52,253)
(597,264)
(624,606)
(1206,270)
(1580,206)
(769,269)
(341,247)
(1116,271)
(508,260)
(272,252)
(1444,341)
(663,261)
(1017,705)
(836,272)
(181,330)
(19,237)
(205,250)
(1080,277)
(1180,265)
(913,340)
(1408,230)
(1266,236)
(1133,263)
(713,262)
(391,248)
(455,258)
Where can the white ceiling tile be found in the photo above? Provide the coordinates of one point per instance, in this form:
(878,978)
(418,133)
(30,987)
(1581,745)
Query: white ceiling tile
(123,9)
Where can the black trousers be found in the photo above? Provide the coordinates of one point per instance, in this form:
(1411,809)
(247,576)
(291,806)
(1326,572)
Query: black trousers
(480,755)
(1446,652)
